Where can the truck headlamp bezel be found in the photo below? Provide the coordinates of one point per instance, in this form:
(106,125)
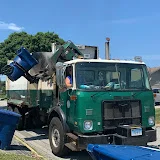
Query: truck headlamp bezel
(151,120)
(88,125)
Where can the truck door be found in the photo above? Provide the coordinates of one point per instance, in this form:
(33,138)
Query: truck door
(65,93)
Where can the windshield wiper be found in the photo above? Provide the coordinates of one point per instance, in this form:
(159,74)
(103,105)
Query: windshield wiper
(108,89)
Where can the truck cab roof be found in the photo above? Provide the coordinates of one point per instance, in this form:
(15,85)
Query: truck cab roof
(103,61)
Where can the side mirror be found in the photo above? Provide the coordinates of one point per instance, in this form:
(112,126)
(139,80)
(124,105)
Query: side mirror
(60,74)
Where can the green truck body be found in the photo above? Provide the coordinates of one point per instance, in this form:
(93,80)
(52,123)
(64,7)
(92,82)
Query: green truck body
(110,102)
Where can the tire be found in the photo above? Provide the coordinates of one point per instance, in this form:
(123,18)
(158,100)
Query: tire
(58,144)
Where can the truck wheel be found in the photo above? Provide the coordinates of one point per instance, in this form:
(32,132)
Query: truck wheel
(57,137)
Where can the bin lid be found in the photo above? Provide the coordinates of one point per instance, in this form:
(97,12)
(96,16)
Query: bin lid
(10,113)
(123,152)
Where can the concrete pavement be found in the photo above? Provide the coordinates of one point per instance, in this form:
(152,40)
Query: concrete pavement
(157,142)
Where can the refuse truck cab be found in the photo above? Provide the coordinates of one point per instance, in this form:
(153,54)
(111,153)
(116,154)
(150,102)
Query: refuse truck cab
(109,101)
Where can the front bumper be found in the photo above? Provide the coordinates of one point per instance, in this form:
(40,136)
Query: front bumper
(148,136)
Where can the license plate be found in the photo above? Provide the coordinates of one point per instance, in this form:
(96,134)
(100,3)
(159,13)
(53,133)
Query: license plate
(136,132)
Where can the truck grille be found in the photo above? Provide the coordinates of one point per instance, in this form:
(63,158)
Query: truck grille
(121,113)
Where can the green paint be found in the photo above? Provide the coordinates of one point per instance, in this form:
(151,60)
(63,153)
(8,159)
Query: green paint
(74,52)
(46,98)
(68,110)
(31,98)
(77,111)
(17,97)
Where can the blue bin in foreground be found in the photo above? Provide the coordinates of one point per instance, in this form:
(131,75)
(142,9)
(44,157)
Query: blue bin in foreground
(8,123)
(122,152)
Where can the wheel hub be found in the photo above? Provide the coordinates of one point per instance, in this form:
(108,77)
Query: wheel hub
(55,137)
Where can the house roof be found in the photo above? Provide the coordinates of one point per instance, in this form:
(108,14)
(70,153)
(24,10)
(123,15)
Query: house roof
(153,70)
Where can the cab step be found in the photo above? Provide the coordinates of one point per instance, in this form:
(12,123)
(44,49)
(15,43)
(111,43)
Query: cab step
(71,146)
(72,136)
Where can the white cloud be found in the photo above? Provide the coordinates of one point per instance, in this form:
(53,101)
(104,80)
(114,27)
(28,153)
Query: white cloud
(10,26)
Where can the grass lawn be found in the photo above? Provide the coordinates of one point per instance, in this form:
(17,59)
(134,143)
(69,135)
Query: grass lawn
(9,156)
(14,157)
(158,116)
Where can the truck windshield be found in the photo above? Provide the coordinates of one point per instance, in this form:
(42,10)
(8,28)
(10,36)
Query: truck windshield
(111,76)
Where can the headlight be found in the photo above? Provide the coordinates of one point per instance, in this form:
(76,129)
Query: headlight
(88,125)
(151,120)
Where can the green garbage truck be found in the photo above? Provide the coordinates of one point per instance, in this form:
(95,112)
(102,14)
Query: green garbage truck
(109,102)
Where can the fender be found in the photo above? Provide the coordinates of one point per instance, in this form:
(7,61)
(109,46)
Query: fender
(57,112)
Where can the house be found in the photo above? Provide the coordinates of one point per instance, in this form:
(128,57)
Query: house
(155,77)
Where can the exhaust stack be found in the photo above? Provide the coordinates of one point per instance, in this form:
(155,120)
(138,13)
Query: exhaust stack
(107,55)
(53,45)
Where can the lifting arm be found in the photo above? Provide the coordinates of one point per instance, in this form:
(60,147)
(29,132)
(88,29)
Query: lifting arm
(66,52)
(24,61)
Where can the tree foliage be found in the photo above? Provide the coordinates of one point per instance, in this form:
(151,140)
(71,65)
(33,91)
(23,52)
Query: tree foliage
(2,86)
(33,43)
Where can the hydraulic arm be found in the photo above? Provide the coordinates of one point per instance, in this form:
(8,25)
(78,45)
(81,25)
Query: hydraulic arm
(24,61)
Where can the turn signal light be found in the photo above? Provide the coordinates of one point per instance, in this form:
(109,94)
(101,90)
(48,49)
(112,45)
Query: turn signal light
(73,97)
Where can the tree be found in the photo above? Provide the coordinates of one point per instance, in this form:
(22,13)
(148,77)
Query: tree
(2,87)
(33,43)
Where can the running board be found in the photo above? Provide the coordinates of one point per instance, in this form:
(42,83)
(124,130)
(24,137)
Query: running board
(71,146)
(72,139)
(72,136)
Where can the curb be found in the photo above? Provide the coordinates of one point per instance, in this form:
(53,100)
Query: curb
(29,147)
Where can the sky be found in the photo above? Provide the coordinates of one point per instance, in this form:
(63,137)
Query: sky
(132,25)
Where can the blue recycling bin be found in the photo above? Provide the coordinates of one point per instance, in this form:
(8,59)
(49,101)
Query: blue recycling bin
(8,123)
(16,72)
(25,59)
(122,152)
(22,63)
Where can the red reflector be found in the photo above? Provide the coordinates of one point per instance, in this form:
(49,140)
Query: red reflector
(73,97)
